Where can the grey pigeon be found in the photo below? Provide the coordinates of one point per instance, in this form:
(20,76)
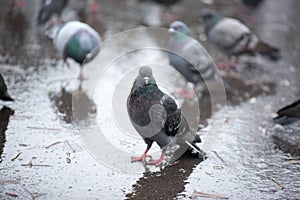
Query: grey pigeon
(78,41)
(155,115)
(234,38)
(4,96)
(288,114)
(188,56)
(50,8)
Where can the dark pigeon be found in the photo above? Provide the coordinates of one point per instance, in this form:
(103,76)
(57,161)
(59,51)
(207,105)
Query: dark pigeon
(50,8)
(188,56)
(155,115)
(234,38)
(288,114)
(4,96)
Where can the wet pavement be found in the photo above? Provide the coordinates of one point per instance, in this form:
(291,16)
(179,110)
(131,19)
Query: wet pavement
(48,152)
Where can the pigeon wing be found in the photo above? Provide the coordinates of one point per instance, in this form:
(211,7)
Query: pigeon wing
(198,57)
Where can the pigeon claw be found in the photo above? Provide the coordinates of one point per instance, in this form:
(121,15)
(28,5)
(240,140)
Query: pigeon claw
(227,64)
(141,158)
(156,162)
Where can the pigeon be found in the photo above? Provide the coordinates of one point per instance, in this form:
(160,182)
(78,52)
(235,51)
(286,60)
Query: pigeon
(182,48)
(166,13)
(4,96)
(76,40)
(288,114)
(234,38)
(50,8)
(248,10)
(17,4)
(87,8)
(156,116)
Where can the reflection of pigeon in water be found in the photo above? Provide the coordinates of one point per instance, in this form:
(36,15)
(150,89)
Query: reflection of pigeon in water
(188,56)
(234,38)
(50,8)
(288,114)
(78,41)
(3,91)
(155,115)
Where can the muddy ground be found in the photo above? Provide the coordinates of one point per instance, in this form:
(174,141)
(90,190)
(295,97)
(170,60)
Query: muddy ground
(46,152)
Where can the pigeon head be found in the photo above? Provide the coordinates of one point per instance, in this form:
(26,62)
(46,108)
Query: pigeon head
(145,75)
(179,27)
(211,18)
(144,78)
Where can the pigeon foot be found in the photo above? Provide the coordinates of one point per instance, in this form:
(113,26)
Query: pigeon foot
(185,93)
(227,64)
(157,162)
(141,158)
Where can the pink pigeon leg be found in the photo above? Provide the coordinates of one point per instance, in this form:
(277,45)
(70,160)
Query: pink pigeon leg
(226,64)
(185,93)
(159,161)
(81,76)
(141,158)
(66,62)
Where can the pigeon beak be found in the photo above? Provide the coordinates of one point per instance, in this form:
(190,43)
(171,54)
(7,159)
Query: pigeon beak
(146,79)
(171,30)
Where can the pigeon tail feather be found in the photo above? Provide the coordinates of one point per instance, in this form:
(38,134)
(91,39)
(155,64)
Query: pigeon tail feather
(284,120)
(271,52)
(6,97)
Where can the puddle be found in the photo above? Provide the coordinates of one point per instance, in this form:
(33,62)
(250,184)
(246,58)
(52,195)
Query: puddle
(65,100)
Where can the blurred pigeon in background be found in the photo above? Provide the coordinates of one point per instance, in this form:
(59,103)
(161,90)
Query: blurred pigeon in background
(288,114)
(155,116)
(188,56)
(248,10)
(234,38)
(17,4)
(76,40)
(4,96)
(88,11)
(50,8)
(166,12)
